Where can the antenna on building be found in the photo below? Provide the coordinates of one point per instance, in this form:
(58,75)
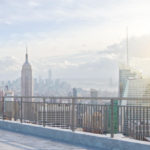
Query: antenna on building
(26,49)
(127,48)
(26,53)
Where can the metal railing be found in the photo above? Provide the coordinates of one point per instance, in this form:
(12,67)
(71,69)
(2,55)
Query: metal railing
(99,115)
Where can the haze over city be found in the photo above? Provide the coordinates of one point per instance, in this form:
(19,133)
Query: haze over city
(73,38)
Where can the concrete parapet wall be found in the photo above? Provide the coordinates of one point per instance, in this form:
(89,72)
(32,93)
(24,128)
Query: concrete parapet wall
(79,138)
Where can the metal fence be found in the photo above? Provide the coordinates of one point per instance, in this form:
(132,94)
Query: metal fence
(96,115)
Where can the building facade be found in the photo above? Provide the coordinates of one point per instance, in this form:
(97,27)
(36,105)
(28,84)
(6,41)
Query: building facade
(27,89)
(26,80)
(125,73)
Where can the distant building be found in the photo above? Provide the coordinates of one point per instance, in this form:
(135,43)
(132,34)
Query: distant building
(27,89)
(9,93)
(93,93)
(137,109)
(49,75)
(126,73)
(9,105)
(1,94)
(26,80)
(128,83)
(137,88)
(58,117)
(134,86)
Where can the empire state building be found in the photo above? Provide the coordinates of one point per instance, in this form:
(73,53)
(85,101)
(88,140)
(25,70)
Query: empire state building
(26,79)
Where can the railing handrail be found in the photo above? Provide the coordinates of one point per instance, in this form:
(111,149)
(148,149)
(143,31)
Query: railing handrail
(80,98)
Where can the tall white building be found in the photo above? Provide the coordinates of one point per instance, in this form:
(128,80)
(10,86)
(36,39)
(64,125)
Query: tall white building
(137,88)
(126,73)
(132,85)
(26,79)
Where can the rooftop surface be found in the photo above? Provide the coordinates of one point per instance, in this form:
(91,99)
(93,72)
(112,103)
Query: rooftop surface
(16,141)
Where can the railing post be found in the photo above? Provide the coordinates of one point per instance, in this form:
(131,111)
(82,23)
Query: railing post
(112,118)
(13,116)
(72,125)
(73,109)
(44,113)
(21,111)
(3,115)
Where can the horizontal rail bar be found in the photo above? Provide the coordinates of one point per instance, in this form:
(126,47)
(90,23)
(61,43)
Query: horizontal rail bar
(80,98)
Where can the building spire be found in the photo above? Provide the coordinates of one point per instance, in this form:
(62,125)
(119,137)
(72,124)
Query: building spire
(26,54)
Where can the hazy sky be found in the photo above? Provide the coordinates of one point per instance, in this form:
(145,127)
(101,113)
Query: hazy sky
(59,32)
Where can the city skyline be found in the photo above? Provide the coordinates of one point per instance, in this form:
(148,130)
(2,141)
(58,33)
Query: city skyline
(74,74)
(73,35)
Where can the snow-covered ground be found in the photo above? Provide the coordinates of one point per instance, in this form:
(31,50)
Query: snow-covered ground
(15,141)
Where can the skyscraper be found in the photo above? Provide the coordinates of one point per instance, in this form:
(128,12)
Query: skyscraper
(125,73)
(26,79)
(49,75)
(27,89)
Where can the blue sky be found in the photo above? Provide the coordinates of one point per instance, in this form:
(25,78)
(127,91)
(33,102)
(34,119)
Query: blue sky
(62,29)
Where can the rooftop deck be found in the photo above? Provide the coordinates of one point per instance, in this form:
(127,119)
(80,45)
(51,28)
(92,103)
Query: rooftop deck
(16,141)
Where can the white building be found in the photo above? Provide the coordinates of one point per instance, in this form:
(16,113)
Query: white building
(135,115)
(137,88)
(125,73)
